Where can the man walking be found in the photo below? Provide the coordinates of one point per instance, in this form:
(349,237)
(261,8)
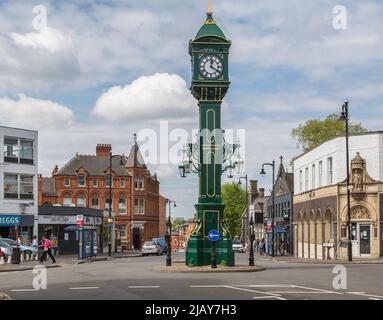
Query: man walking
(47,250)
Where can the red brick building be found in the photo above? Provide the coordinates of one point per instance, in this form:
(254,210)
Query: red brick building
(85,182)
(162,221)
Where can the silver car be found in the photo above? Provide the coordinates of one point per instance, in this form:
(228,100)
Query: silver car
(5,249)
(23,248)
(150,247)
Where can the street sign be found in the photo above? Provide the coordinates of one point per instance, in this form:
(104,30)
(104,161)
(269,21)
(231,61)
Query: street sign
(80,220)
(213,235)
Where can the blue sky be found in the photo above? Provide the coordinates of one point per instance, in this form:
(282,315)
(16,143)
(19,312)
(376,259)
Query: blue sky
(91,75)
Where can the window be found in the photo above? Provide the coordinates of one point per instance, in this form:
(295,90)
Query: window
(26,187)
(18,150)
(81,181)
(122,206)
(67,201)
(11,186)
(95,203)
(18,186)
(139,206)
(81,202)
(122,183)
(26,151)
(136,183)
(320,173)
(11,150)
(67,182)
(141,183)
(108,181)
(108,203)
(329,171)
(95,183)
(122,230)
(306,179)
(300,181)
(313,176)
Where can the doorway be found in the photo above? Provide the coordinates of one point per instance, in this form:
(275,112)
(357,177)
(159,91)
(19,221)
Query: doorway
(365,239)
(361,239)
(136,239)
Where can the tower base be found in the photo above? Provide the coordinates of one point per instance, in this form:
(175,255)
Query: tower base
(199,249)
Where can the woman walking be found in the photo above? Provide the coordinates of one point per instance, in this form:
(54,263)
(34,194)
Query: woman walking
(47,250)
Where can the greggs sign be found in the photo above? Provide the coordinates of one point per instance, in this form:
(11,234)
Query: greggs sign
(9,221)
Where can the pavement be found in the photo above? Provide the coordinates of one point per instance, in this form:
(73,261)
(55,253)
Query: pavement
(134,279)
(293,259)
(65,260)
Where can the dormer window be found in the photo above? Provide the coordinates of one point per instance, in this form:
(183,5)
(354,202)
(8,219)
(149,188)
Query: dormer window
(81,181)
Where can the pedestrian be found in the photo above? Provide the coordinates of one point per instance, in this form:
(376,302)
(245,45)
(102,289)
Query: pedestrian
(35,243)
(264,245)
(260,247)
(47,250)
(18,241)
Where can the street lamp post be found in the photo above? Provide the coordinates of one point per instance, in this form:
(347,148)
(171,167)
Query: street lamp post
(345,117)
(263,172)
(110,207)
(110,220)
(169,236)
(251,255)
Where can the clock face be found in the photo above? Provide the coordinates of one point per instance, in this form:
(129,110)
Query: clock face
(211,66)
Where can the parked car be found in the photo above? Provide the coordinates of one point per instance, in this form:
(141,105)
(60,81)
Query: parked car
(150,247)
(238,246)
(6,249)
(162,243)
(23,248)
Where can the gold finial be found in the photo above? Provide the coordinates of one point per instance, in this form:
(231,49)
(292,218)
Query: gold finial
(209,9)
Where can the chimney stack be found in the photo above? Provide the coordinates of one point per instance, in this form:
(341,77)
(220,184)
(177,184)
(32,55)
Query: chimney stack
(253,190)
(103,150)
(262,192)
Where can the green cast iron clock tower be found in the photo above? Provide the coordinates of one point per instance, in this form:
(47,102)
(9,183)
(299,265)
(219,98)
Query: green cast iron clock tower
(209,52)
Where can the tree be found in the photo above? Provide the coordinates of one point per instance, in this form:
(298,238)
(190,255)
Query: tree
(314,132)
(234,199)
(178,222)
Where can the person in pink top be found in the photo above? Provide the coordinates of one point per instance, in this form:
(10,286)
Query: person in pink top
(47,250)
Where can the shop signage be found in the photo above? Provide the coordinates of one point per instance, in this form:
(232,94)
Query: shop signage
(57,219)
(80,220)
(9,220)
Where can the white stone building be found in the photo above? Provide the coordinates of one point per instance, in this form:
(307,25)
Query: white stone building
(320,198)
(18,183)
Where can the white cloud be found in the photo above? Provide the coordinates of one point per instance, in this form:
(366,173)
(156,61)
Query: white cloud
(36,61)
(27,112)
(159,96)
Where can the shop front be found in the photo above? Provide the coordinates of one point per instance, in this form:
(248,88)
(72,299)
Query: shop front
(60,224)
(13,225)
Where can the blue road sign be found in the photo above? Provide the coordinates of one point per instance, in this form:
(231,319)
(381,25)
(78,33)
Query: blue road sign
(213,235)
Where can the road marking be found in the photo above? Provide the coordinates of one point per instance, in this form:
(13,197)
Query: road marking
(321,290)
(24,290)
(363,294)
(84,288)
(143,287)
(265,297)
(4,296)
(277,296)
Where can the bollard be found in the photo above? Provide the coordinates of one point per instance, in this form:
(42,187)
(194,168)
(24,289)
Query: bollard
(21,258)
(2,261)
(9,259)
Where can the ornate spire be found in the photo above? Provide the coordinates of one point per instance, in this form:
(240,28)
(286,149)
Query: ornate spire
(209,19)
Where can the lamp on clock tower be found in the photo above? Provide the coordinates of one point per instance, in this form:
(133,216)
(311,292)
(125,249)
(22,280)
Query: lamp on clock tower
(209,52)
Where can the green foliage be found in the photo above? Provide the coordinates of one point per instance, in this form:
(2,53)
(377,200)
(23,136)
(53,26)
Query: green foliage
(314,132)
(178,222)
(234,199)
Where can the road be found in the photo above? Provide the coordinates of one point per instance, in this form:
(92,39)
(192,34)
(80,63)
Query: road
(134,279)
